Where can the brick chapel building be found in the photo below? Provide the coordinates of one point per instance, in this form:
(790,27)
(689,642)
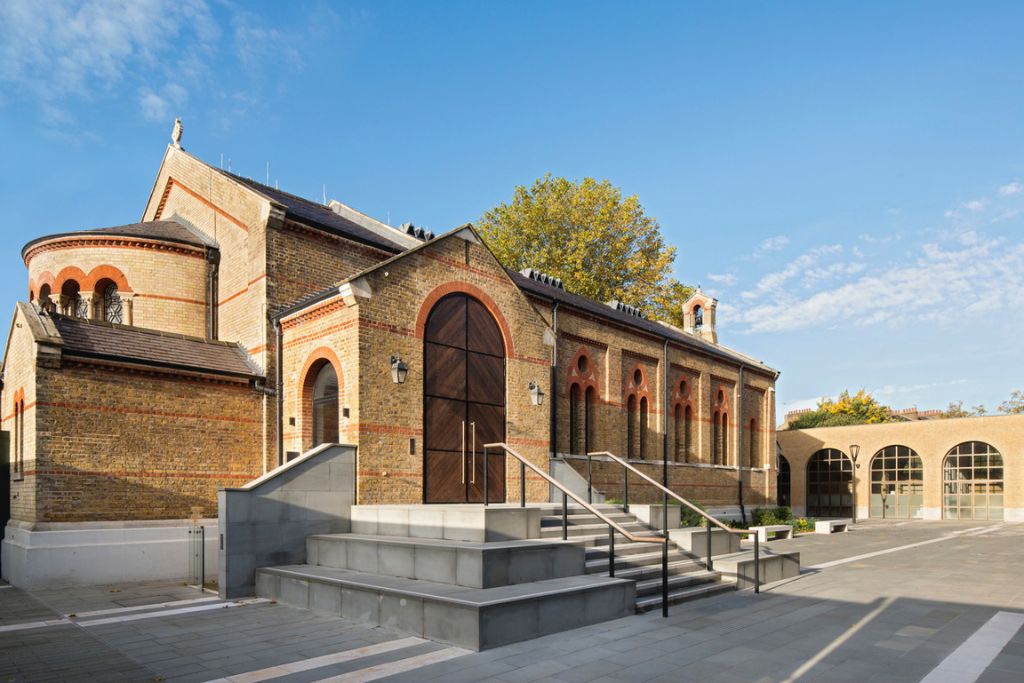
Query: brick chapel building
(236,326)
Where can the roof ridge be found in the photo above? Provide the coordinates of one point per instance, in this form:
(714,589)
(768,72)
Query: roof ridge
(275,189)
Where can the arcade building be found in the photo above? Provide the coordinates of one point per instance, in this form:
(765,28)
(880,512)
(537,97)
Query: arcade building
(236,326)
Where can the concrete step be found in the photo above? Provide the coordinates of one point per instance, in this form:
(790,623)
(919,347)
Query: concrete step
(774,566)
(463,563)
(645,560)
(646,571)
(577,519)
(592,530)
(651,586)
(600,548)
(547,510)
(706,590)
(474,618)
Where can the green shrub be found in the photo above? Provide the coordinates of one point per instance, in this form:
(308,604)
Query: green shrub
(688,517)
(803,524)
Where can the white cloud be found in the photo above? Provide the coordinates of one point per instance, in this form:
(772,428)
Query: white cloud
(726,279)
(984,273)
(976,205)
(1015,187)
(774,243)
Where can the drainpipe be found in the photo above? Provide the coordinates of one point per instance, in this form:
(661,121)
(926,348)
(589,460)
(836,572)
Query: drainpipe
(554,380)
(664,437)
(739,445)
(212,268)
(279,390)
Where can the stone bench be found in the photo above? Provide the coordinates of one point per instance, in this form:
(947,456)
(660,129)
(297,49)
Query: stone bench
(831,526)
(776,531)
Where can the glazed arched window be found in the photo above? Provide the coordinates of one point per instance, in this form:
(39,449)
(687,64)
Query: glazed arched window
(972,482)
(716,437)
(897,483)
(325,406)
(754,445)
(687,433)
(589,399)
(632,445)
(642,452)
(698,317)
(113,310)
(725,439)
(576,425)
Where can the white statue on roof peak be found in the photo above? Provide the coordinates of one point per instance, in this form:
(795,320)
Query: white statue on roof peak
(176,133)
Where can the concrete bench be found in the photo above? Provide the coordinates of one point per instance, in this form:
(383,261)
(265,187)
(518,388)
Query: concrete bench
(775,530)
(831,526)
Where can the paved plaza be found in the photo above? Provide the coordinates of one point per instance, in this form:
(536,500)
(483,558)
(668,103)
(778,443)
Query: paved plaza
(889,601)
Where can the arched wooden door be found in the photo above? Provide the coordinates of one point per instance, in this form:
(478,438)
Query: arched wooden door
(463,402)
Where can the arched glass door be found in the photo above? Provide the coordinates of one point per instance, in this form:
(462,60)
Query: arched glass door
(325,406)
(972,482)
(829,484)
(897,484)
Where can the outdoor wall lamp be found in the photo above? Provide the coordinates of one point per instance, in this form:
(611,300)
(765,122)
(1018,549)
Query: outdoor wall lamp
(536,395)
(399,370)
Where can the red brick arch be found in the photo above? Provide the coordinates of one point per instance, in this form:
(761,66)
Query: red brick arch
(585,380)
(641,391)
(314,361)
(108,272)
(70,273)
(472,290)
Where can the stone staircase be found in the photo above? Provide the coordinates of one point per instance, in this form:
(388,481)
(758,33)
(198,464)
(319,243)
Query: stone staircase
(639,562)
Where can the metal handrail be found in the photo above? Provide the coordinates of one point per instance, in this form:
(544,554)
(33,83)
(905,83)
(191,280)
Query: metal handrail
(711,520)
(613,526)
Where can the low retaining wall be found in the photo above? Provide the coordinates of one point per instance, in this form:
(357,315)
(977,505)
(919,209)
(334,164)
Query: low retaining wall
(97,553)
(265,522)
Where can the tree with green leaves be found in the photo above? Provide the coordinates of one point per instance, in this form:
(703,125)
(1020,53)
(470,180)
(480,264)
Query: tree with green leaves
(601,244)
(860,408)
(1013,405)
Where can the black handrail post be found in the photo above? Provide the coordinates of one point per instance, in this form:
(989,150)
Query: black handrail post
(611,552)
(757,564)
(202,556)
(590,479)
(625,489)
(522,484)
(565,516)
(711,564)
(664,577)
(485,475)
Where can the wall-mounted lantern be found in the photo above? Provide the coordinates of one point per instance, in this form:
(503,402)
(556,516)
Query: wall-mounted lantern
(854,452)
(536,395)
(399,370)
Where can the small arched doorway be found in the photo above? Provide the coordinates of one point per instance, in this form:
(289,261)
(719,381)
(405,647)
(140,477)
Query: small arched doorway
(325,405)
(783,483)
(972,482)
(897,484)
(829,484)
(464,402)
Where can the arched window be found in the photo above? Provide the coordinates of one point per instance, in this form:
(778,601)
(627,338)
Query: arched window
(698,317)
(71,301)
(44,300)
(678,452)
(687,433)
(897,483)
(112,310)
(782,482)
(631,421)
(643,428)
(829,484)
(754,445)
(725,439)
(576,426)
(716,438)
(589,400)
(972,482)
(325,405)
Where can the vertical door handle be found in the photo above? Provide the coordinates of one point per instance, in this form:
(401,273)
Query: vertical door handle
(463,451)
(472,427)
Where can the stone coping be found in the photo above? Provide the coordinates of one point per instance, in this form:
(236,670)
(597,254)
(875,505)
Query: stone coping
(443,542)
(111,524)
(476,598)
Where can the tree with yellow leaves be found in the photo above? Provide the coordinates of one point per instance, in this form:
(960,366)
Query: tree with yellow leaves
(601,244)
(861,408)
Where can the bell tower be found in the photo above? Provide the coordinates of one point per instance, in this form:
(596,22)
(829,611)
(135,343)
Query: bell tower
(699,310)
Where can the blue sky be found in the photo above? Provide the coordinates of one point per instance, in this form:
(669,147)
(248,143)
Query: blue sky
(847,178)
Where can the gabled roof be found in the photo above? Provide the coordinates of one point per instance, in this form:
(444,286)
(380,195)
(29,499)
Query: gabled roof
(653,327)
(322,217)
(164,231)
(105,341)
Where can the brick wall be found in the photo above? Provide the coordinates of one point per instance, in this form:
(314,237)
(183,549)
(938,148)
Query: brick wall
(118,445)
(19,366)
